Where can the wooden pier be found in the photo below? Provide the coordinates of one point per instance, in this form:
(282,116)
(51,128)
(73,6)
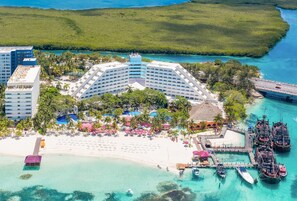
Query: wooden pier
(247,149)
(37,146)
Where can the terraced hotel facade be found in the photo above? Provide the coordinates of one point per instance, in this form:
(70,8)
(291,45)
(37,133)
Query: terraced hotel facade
(170,78)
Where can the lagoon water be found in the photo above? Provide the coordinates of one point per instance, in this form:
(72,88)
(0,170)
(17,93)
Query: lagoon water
(88,4)
(60,176)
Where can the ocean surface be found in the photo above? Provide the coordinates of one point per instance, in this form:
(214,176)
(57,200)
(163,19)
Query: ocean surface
(83,178)
(88,4)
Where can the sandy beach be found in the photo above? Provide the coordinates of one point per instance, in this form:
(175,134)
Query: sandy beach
(159,151)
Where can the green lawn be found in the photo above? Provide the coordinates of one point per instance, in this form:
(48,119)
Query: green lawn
(190,28)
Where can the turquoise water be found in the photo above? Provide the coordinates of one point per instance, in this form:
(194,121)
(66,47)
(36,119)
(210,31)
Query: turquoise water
(63,119)
(153,114)
(80,4)
(233,158)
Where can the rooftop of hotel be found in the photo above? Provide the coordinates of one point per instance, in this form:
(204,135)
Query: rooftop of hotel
(12,48)
(24,75)
(162,64)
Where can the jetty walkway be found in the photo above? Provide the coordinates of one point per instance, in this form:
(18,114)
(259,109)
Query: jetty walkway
(247,149)
(37,146)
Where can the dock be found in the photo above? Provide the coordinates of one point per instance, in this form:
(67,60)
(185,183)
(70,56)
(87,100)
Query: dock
(247,149)
(37,146)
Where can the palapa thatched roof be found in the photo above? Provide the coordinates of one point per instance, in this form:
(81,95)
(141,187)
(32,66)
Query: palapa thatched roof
(204,112)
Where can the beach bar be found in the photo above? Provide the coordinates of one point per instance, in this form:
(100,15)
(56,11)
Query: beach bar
(33,160)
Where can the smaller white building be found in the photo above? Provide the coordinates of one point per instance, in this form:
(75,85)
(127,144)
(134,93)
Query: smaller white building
(22,92)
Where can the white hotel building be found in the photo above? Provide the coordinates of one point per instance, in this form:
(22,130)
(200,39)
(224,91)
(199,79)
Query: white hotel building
(22,92)
(170,78)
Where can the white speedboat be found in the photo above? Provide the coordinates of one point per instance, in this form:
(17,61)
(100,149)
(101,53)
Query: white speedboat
(129,192)
(245,175)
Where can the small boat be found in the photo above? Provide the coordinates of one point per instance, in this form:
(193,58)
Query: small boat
(221,171)
(195,172)
(245,175)
(129,192)
(282,170)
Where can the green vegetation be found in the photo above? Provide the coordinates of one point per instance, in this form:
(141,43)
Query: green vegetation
(51,103)
(288,4)
(2,102)
(231,80)
(69,63)
(190,28)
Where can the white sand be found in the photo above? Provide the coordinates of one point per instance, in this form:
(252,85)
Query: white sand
(159,151)
(231,139)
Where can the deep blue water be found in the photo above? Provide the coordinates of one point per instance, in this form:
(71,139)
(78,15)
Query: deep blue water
(88,4)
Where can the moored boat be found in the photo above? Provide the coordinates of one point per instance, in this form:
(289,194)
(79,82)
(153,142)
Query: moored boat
(221,171)
(267,167)
(282,170)
(281,138)
(195,172)
(245,175)
(263,132)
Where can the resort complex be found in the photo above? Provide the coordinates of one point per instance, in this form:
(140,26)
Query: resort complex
(22,93)
(11,57)
(170,78)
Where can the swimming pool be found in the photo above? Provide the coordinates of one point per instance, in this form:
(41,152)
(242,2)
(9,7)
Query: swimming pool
(63,119)
(153,114)
(133,113)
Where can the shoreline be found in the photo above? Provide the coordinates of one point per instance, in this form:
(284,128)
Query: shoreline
(150,153)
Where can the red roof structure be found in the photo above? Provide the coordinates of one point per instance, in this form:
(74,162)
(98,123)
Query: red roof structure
(32,160)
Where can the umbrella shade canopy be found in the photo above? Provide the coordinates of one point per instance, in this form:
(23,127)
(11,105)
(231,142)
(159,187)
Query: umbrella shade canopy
(32,159)
(203,154)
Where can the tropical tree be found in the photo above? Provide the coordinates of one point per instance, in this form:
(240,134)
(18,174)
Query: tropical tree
(156,124)
(162,115)
(115,124)
(218,119)
(117,113)
(66,86)
(107,120)
(134,122)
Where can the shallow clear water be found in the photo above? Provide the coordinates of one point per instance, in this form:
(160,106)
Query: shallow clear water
(89,4)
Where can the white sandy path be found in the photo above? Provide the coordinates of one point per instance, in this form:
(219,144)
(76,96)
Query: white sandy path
(159,151)
(231,139)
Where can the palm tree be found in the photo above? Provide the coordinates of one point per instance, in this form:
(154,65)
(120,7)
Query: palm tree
(107,120)
(218,119)
(66,86)
(117,113)
(156,124)
(123,120)
(115,125)
(184,133)
(191,126)
(134,122)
